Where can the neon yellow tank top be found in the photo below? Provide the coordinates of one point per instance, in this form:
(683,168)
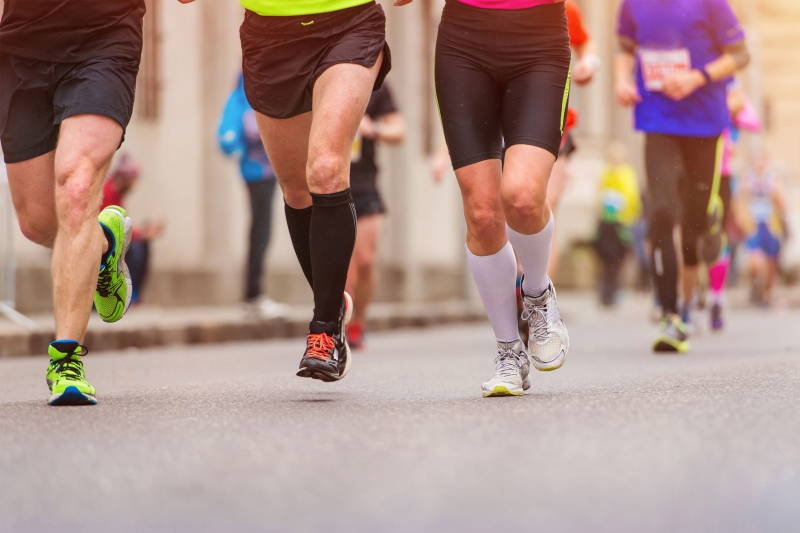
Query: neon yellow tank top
(292,8)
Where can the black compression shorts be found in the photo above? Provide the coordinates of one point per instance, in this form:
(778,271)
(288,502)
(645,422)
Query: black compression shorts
(502,74)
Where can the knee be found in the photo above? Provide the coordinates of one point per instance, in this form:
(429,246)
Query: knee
(365,262)
(77,192)
(42,232)
(327,173)
(525,205)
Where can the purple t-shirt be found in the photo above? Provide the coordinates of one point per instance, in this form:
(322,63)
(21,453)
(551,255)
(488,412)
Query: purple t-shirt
(675,34)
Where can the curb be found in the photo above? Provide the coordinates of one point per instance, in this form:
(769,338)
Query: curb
(20,344)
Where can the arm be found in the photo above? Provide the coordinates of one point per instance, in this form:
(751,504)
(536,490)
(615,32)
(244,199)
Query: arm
(581,42)
(624,64)
(390,130)
(682,84)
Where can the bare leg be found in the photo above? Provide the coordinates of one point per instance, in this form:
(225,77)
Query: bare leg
(286,141)
(689,282)
(86,146)
(524,188)
(361,277)
(33,184)
(483,207)
(559,177)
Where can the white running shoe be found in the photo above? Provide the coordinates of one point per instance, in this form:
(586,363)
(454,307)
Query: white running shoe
(548,340)
(511,372)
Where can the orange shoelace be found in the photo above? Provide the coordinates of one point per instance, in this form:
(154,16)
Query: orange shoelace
(320,346)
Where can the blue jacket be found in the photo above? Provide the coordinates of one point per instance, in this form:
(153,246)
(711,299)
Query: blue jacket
(238,136)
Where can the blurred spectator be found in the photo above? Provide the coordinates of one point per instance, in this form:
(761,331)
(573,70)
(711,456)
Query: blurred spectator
(239,137)
(120,182)
(620,209)
(760,207)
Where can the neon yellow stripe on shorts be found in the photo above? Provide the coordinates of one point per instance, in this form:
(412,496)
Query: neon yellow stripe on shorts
(294,8)
(565,100)
(717,176)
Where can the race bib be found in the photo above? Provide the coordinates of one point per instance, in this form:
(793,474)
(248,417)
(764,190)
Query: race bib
(355,150)
(657,65)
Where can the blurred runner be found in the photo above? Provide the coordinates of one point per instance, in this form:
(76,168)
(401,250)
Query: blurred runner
(382,123)
(503,72)
(67,78)
(582,73)
(763,212)
(238,136)
(681,53)
(742,117)
(620,209)
(326,56)
(120,182)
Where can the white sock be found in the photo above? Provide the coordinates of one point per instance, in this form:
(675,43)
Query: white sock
(496,278)
(533,252)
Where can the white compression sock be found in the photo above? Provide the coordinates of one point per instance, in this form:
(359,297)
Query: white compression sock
(496,278)
(533,252)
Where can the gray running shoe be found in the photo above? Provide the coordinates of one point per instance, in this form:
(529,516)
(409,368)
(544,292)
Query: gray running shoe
(511,372)
(548,340)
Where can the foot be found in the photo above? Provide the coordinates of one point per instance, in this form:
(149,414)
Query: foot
(511,371)
(548,340)
(717,323)
(267,308)
(65,376)
(114,290)
(327,355)
(672,337)
(355,335)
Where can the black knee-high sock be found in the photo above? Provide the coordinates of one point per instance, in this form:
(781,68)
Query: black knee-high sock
(299,222)
(333,236)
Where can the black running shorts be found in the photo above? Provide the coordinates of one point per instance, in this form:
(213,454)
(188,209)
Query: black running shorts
(36,96)
(502,74)
(368,203)
(284,56)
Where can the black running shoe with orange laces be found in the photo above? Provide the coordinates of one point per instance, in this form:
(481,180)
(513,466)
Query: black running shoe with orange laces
(327,355)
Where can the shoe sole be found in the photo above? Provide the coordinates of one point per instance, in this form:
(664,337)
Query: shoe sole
(72,396)
(662,346)
(548,366)
(500,391)
(348,315)
(126,273)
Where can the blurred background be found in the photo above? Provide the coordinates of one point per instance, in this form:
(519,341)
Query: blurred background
(190,65)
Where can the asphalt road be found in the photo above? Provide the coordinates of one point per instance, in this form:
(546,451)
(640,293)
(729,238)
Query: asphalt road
(226,438)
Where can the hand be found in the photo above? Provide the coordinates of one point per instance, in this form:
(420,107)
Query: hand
(584,70)
(440,165)
(627,94)
(151,230)
(402,2)
(368,129)
(682,84)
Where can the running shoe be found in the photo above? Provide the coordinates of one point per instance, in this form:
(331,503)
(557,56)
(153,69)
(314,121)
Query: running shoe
(512,369)
(327,355)
(355,335)
(65,376)
(548,340)
(717,323)
(672,336)
(114,290)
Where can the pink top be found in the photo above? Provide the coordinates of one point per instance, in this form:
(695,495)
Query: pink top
(508,4)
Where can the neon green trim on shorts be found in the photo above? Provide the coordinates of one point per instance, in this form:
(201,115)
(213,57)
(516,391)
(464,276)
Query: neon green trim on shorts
(717,176)
(565,100)
(294,8)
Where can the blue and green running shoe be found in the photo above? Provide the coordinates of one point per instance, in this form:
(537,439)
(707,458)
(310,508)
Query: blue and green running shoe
(65,376)
(113,295)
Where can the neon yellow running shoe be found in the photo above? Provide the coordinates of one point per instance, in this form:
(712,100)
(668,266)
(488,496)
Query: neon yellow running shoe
(113,295)
(672,336)
(65,376)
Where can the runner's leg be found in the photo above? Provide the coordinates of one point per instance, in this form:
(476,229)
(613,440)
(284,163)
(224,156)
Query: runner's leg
(340,99)
(32,185)
(86,146)
(362,268)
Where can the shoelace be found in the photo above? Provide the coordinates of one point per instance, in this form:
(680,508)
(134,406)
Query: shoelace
(508,362)
(320,346)
(69,368)
(104,282)
(538,317)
